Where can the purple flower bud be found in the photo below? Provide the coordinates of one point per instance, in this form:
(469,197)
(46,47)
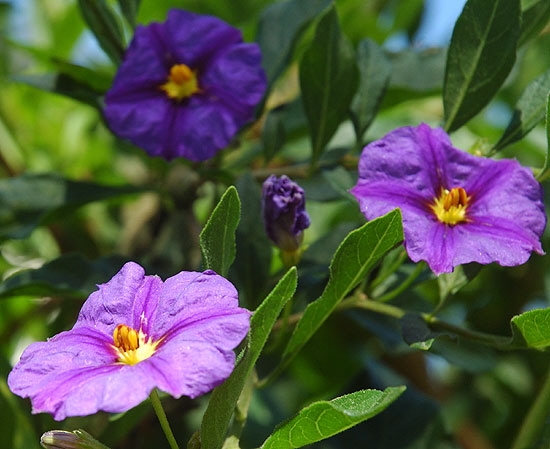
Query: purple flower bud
(284,212)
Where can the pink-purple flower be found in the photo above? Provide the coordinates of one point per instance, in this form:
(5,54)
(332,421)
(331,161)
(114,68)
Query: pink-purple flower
(185,87)
(457,208)
(285,216)
(134,334)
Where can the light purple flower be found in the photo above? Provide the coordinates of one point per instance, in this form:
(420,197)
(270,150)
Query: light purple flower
(284,212)
(457,208)
(134,334)
(185,87)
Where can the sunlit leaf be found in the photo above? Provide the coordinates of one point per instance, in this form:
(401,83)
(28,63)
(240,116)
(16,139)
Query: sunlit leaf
(361,250)
(481,54)
(328,80)
(532,329)
(224,398)
(529,111)
(217,239)
(324,419)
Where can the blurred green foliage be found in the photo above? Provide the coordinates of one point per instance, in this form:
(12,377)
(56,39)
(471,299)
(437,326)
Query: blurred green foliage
(461,392)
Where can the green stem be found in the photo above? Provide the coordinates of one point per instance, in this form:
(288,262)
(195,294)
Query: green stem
(536,418)
(406,283)
(155,401)
(434,323)
(398,262)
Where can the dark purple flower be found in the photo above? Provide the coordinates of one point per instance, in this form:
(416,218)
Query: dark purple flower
(457,208)
(185,87)
(284,212)
(134,334)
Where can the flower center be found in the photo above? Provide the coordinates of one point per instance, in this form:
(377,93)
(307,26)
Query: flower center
(182,82)
(132,346)
(450,207)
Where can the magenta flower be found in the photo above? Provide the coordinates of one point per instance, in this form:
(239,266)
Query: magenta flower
(457,208)
(134,334)
(185,87)
(285,216)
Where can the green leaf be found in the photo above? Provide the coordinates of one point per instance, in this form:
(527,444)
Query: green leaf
(545,170)
(63,84)
(31,200)
(328,80)
(450,283)
(250,272)
(415,74)
(357,255)
(481,54)
(273,133)
(532,329)
(279,28)
(324,419)
(130,10)
(224,398)
(103,23)
(217,239)
(69,275)
(534,17)
(529,111)
(374,75)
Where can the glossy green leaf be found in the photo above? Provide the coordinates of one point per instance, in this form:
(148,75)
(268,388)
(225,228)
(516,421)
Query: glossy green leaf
(545,170)
(280,27)
(224,398)
(103,23)
(532,329)
(31,200)
(535,15)
(217,239)
(130,10)
(69,275)
(324,419)
(360,251)
(529,111)
(374,75)
(328,81)
(481,54)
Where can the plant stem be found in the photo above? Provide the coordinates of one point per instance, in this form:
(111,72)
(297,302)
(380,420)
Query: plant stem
(155,401)
(536,418)
(406,283)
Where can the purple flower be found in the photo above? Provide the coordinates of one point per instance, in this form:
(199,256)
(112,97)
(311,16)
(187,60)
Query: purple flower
(284,212)
(457,208)
(134,334)
(185,87)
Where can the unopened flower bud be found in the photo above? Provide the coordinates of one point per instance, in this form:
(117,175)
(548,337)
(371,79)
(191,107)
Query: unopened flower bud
(284,213)
(62,439)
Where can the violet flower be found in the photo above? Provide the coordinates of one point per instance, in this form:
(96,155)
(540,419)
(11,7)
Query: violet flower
(134,334)
(284,212)
(185,87)
(457,208)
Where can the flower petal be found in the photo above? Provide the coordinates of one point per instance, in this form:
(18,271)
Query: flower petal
(129,298)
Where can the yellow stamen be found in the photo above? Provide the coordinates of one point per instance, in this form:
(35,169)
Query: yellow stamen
(451,206)
(132,346)
(182,82)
